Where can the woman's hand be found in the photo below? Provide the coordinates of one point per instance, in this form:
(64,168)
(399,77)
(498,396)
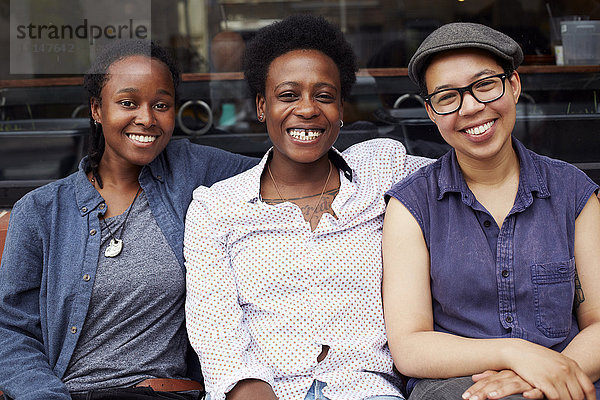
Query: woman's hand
(556,375)
(499,384)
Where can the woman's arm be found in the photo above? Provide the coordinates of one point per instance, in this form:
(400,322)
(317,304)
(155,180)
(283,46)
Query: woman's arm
(215,320)
(420,352)
(25,372)
(585,347)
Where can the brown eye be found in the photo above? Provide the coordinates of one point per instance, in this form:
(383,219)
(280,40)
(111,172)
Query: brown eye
(287,96)
(127,103)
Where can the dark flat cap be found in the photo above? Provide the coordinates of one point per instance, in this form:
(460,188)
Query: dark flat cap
(463,35)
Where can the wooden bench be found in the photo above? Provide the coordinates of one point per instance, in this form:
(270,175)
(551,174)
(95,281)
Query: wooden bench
(4,216)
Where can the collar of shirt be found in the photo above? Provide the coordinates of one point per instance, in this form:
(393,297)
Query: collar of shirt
(87,200)
(451,179)
(251,191)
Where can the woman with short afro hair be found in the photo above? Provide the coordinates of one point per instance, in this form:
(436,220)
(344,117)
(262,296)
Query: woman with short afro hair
(298,33)
(284,261)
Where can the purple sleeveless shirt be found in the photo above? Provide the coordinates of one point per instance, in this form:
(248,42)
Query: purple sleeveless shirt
(500,282)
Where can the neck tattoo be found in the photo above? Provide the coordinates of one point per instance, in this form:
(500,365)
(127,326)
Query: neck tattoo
(320,197)
(116,244)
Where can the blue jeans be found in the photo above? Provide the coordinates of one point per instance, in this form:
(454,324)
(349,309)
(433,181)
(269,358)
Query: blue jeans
(316,393)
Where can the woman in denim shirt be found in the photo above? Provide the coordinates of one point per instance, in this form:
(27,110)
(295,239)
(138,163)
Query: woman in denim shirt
(486,249)
(92,280)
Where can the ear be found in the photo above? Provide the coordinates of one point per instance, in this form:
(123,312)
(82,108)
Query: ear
(515,85)
(432,115)
(96,109)
(260,104)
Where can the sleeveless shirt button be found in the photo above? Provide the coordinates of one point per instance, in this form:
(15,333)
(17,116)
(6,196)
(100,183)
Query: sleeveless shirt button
(86,277)
(505,273)
(83,209)
(509,319)
(73,329)
(487,224)
(102,206)
(92,232)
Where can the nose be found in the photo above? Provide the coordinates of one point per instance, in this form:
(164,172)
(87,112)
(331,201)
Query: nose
(470,105)
(145,116)
(307,108)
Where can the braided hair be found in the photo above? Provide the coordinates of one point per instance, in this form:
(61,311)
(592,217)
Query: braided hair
(98,75)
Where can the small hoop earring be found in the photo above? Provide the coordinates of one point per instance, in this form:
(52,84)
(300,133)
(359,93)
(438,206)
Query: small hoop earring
(261,117)
(96,123)
(341,123)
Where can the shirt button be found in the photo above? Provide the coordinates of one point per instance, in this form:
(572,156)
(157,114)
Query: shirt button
(509,319)
(102,206)
(83,209)
(487,224)
(73,329)
(86,277)
(505,273)
(92,232)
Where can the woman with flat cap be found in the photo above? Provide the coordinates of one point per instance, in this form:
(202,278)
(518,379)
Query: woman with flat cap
(491,282)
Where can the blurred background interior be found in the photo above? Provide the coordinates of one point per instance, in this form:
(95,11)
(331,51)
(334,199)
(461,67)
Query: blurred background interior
(44,120)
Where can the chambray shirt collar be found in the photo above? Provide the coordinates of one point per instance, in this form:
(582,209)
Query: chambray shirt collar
(451,179)
(88,199)
(251,190)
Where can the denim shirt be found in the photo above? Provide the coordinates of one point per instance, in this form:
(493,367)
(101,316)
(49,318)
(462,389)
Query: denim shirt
(51,254)
(514,281)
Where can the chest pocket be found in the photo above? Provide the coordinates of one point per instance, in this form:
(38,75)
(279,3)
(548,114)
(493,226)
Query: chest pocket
(554,289)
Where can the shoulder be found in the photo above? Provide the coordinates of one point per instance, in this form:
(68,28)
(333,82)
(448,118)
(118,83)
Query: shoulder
(46,195)
(230,190)
(558,174)
(563,180)
(373,148)
(207,164)
(423,182)
(39,206)
(383,157)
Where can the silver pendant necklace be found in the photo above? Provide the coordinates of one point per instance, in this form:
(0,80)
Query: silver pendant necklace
(115,246)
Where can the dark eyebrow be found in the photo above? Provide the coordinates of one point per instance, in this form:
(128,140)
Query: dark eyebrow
(317,85)
(165,92)
(475,77)
(127,90)
(134,90)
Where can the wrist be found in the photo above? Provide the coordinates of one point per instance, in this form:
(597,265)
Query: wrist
(510,349)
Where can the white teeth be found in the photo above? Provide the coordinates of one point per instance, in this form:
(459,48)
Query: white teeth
(304,134)
(143,138)
(478,130)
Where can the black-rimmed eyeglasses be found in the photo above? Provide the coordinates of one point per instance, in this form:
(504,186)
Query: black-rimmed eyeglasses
(484,90)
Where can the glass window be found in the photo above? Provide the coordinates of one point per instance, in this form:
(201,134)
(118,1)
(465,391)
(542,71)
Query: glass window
(558,112)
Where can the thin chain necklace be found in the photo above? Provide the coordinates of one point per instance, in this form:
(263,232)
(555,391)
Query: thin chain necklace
(116,244)
(320,197)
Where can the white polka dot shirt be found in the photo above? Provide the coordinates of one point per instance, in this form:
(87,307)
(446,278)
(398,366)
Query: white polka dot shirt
(265,293)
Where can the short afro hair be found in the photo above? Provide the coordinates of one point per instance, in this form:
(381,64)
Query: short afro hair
(298,32)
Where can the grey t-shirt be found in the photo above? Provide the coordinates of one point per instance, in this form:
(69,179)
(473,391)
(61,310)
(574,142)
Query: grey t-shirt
(134,328)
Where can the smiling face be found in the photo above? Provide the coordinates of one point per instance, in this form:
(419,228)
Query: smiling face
(302,105)
(137,111)
(476,131)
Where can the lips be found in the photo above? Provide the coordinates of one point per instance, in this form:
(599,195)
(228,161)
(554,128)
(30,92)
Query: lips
(480,129)
(305,134)
(141,138)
